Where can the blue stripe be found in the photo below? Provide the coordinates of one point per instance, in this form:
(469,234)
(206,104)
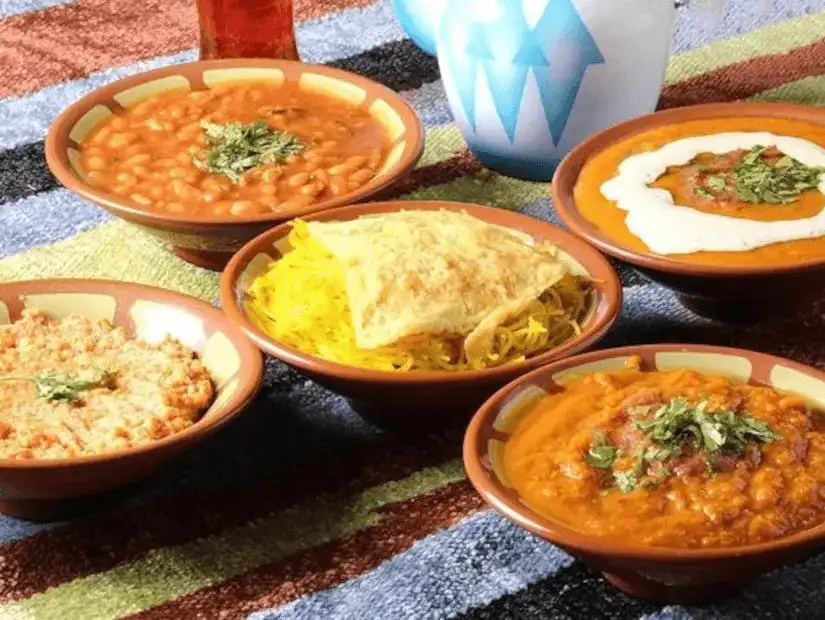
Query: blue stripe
(17,7)
(696,28)
(470,564)
(45,218)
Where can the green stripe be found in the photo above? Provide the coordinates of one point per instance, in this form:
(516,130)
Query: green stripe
(776,39)
(112,250)
(168,573)
(487,188)
(809,90)
(442,143)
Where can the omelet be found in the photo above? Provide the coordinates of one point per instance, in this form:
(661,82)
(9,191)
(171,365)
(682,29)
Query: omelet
(436,273)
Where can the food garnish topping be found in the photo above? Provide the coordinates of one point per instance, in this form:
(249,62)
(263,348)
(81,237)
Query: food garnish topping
(236,148)
(762,175)
(64,387)
(676,429)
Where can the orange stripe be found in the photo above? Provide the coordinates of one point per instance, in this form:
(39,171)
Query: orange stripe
(746,78)
(68,42)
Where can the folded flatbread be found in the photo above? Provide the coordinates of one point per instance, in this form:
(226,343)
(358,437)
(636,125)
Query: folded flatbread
(435,272)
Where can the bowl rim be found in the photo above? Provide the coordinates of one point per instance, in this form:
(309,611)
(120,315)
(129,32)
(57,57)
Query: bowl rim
(250,374)
(57,143)
(610,296)
(568,171)
(555,530)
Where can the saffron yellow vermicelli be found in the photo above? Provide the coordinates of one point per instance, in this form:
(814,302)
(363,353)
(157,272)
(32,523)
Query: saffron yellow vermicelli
(301,301)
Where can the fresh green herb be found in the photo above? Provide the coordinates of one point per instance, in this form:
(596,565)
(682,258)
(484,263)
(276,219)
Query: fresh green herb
(677,423)
(671,428)
(602,455)
(703,193)
(236,148)
(628,480)
(63,387)
(717,182)
(756,180)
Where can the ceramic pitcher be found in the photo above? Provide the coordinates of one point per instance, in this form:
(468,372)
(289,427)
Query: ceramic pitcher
(419,18)
(529,79)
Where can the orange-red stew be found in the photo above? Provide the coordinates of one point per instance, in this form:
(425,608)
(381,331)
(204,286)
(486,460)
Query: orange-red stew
(150,153)
(676,459)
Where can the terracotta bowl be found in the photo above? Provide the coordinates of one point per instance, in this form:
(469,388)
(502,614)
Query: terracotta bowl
(659,573)
(48,489)
(408,399)
(731,293)
(210,241)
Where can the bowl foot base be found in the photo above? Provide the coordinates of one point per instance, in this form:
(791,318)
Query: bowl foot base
(207,259)
(42,510)
(699,594)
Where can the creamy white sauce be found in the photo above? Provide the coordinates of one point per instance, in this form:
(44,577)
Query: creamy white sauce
(668,228)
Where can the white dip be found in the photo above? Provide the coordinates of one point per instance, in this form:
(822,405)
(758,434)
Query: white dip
(668,228)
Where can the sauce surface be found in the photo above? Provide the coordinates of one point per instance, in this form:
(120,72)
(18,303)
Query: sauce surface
(611,220)
(146,153)
(696,498)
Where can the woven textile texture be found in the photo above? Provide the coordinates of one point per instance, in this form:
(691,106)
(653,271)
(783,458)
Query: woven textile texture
(301,510)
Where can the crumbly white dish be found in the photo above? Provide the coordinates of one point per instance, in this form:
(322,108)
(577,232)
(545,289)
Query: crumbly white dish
(151,391)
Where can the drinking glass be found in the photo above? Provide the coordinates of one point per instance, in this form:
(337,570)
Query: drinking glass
(247,29)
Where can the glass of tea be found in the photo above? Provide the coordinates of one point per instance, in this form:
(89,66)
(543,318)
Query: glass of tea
(247,29)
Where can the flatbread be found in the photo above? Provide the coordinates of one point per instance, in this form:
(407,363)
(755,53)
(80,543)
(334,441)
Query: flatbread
(435,272)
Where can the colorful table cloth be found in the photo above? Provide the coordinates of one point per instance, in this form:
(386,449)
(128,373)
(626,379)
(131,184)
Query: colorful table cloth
(300,509)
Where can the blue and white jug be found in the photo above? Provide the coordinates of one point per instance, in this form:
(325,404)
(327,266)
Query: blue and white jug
(527,80)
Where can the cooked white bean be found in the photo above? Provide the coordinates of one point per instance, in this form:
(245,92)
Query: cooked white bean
(120,140)
(141,199)
(126,178)
(361,176)
(136,160)
(96,163)
(299,179)
(242,207)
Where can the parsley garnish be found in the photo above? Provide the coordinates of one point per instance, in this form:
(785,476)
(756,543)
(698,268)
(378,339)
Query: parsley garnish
(756,180)
(677,423)
(670,429)
(237,148)
(63,387)
(602,455)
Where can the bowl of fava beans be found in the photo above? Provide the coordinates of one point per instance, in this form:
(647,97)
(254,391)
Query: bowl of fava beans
(207,155)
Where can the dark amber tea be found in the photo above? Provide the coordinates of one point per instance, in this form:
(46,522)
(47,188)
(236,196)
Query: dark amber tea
(247,29)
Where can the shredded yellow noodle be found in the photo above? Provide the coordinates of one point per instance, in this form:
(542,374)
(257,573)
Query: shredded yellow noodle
(301,301)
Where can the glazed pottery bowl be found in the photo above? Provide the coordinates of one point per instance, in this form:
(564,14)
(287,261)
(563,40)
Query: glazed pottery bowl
(209,241)
(407,398)
(725,292)
(46,489)
(660,573)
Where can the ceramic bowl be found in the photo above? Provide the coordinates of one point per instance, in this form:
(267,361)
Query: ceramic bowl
(660,573)
(724,292)
(390,398)
(209,241)
(47,489)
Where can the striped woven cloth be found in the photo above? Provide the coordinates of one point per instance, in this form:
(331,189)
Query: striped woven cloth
(300,509)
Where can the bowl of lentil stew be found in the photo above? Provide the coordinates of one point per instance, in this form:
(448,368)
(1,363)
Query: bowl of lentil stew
(82,448)
(571,452)
(207,155)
